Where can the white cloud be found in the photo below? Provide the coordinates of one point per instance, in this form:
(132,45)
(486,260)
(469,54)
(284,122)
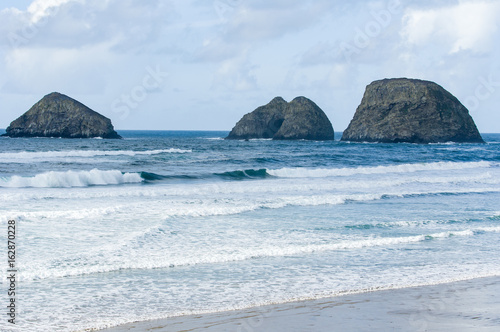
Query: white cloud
(235,74)
(466,26)
(40,9)
(321,53)
(258,23)
(130,24)
(33,70)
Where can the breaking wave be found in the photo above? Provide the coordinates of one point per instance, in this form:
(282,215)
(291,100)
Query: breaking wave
(69,179)
(404,168)
(28,156)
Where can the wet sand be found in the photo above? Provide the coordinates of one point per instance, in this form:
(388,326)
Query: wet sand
(472,305)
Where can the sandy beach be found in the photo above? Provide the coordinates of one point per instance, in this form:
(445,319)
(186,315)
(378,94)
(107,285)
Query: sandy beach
(471,305)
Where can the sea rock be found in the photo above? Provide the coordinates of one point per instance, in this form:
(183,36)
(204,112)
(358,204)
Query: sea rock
(57,115)
(410,110)
(299,119)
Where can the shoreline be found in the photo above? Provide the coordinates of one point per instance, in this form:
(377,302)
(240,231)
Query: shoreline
(470,305)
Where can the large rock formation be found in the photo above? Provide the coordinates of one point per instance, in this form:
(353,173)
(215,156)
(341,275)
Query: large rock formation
(409,110)
(57,115)
(299,119)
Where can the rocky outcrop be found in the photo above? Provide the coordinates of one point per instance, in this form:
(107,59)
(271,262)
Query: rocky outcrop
(410,110)
(57,115)
(299,119)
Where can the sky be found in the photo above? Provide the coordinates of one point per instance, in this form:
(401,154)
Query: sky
(203,64)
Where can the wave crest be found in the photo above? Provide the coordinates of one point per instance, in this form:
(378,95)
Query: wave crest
(404,168)
(70,179)
(27,156)
(245,174)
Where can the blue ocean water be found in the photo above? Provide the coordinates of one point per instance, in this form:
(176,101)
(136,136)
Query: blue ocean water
(164,223)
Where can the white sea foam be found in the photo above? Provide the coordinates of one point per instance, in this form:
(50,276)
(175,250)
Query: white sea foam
(115,259)
(405,168)
(494,229)
(71,179)
(28,156)
(67,214)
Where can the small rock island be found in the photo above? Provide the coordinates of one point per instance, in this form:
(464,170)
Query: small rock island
(57,115)
(413,111)
(299,119)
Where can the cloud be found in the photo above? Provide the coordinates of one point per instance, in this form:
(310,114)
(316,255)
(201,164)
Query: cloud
(321,53)
(40,9)
(256,22)
(129,24)
(221,53)
(251,25)
(36,70)
(466,26)
(235,74)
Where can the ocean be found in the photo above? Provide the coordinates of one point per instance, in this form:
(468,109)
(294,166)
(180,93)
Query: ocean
(169,223)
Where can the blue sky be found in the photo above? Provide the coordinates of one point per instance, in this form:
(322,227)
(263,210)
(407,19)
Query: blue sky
(203,64)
